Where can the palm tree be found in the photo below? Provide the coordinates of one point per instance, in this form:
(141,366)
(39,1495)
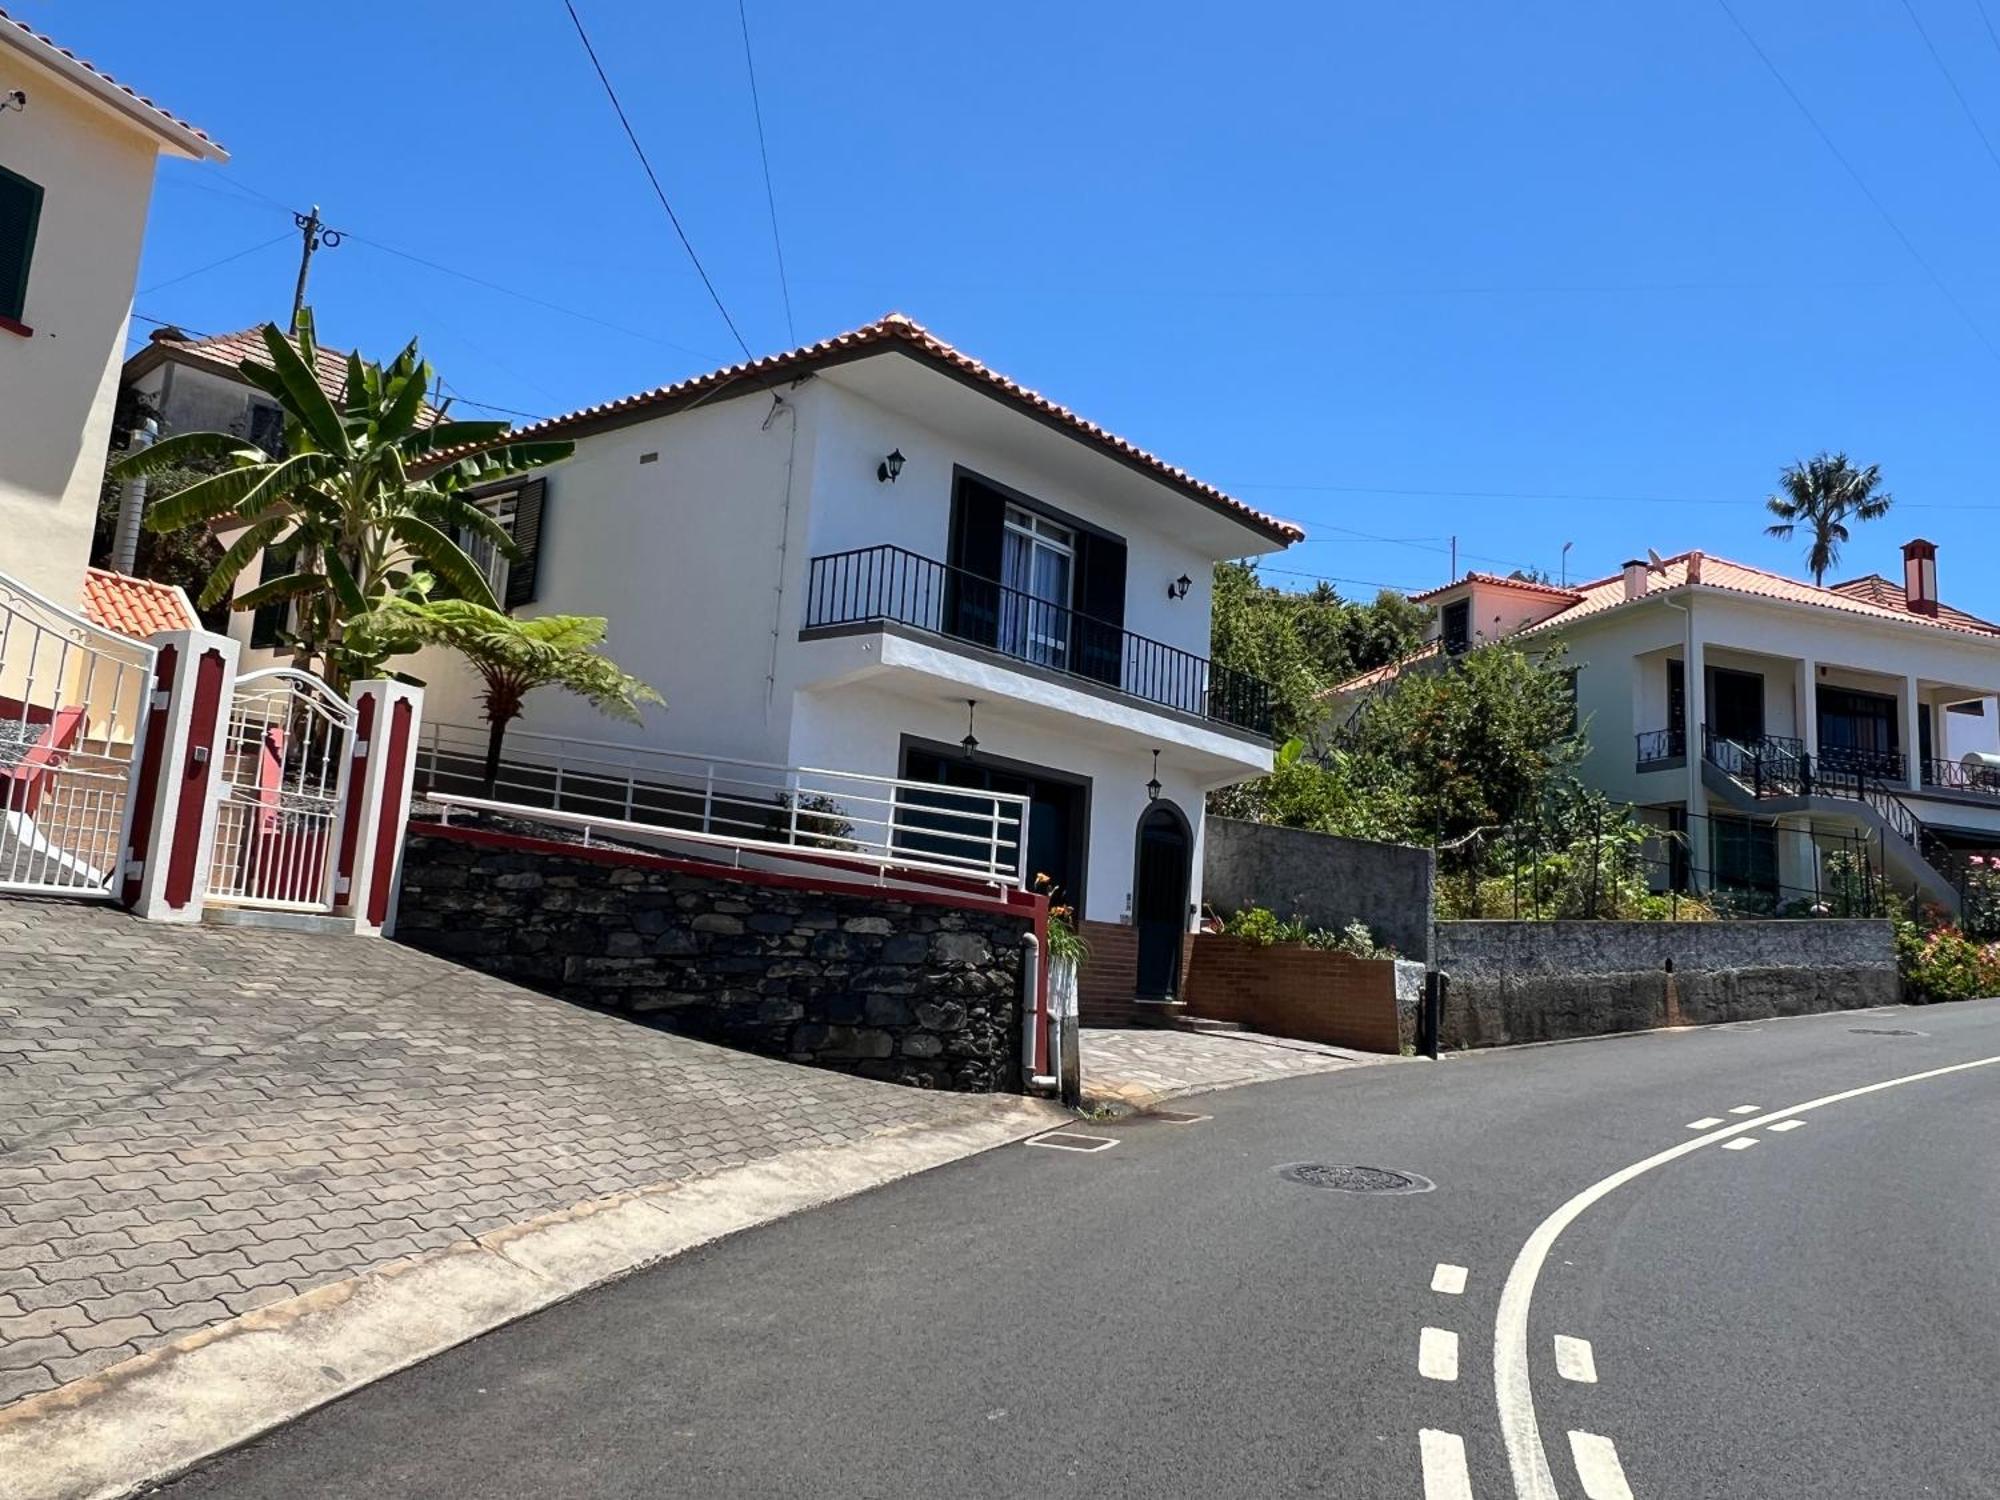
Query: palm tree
(362,496)
(512,657)
(1824,493)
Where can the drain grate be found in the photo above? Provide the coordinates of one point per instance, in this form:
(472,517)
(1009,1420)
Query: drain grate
(1883,1031)
(1351,1179)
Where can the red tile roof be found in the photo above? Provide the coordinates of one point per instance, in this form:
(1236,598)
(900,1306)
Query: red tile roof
(902,335)
(135,606)
(31,41)
(1495,580)
(223,353)
(1870,598)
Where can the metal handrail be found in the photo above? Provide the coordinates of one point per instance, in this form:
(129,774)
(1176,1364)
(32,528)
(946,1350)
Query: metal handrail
(1655,745)
(868,585)
(1955,776)
(879,821)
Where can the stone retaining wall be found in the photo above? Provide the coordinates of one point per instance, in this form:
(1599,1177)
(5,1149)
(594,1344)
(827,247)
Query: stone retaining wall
(1539,981)
(1328,880)
(892,985)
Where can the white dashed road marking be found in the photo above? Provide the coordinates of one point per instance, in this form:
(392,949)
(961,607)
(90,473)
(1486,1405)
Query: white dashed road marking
(1704,1122)
(1598,1467)
(1745,1109)
(1787,1125)
(1448,1279)
(1741,1143)
(1574,1361)
(1437,1354)
(1445,1474)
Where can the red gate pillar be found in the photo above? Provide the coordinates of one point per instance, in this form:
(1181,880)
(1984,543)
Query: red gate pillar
(382,763)
(173,817)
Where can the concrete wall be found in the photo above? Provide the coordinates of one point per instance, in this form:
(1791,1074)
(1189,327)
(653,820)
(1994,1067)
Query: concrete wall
(913,990)
(1287,989)
(59,383)
(1329,881)
(1539,981)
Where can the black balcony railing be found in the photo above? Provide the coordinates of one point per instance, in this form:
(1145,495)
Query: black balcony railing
(1657,746)
(1954,776)
(1878,765)
(881,584)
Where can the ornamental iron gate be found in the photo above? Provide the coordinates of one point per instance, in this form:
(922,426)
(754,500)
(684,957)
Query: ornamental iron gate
(74,702)
(282,783)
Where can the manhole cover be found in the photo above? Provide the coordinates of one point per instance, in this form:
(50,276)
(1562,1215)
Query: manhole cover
(1883,1031)
(1346,1179)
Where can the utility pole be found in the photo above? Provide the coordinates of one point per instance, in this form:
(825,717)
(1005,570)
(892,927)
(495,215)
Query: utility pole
(1454,542)
(313,233)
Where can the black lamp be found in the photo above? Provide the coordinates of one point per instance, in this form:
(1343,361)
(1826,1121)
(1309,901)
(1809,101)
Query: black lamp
(1153,786)
(970,743)
(1178,589)
(887,470)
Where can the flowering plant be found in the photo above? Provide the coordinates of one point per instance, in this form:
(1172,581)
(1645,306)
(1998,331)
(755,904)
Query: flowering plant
(1064,940)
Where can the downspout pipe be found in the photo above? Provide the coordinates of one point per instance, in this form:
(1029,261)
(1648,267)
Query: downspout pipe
(132,504)
(1032,1019)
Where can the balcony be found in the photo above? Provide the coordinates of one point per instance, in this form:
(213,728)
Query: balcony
(1661,748)
(888,585)
(1952,776)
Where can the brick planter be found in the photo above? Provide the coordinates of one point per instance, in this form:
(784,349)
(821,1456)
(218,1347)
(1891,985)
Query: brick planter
(1288,989)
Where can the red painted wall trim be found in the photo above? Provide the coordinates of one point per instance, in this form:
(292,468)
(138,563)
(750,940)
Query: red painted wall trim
(205,721)
(392,811)
(153,746)
(350,816)
(1024,903)
(15,325)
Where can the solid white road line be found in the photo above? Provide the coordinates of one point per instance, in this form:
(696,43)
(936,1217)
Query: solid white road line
(1513,1386)
(1704,1122)
(1745,1109)
(1445,1474)
(1788,1125)
(1598,1467)
(1448,1279)
(1574,1360)
(1437,1354)
(1741,1143)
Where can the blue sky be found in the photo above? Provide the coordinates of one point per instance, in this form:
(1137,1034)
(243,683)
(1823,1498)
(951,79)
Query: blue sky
(1528,275)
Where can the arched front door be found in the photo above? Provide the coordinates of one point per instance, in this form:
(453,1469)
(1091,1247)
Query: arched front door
(1160,897)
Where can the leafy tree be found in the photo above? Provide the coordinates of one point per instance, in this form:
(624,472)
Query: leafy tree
(512,657)
(186,558)
(1823,494)
(360,497)
(1303,643)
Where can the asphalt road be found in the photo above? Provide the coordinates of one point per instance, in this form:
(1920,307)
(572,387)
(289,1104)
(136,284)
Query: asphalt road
(1815,1314)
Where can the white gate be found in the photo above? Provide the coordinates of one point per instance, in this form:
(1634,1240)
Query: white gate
(282,785)
(74,699)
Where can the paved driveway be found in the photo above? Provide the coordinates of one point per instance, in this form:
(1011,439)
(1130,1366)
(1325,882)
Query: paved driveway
(195,1122)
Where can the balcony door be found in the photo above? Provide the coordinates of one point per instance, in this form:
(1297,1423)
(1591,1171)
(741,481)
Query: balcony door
(1037,564)
(1736,705)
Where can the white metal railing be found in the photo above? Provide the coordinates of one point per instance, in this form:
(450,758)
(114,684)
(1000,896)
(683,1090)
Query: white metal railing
(283,781)
(73,703)
(636,791)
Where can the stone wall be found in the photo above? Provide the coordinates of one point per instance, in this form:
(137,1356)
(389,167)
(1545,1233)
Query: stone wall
(1288,989)
(910,988)
(1327,880)
(1538,981)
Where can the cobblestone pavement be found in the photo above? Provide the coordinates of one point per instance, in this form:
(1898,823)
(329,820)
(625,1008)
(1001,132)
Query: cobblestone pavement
(198,1121)
(1142,1065)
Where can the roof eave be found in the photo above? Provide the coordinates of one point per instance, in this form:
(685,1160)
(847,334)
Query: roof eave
(175,138)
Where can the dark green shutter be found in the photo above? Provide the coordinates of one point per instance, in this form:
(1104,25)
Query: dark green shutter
(1100,604)
(972,592)
(528,541)
(20,213)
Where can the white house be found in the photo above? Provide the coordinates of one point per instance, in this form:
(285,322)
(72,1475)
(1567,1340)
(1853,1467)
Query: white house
(1769,719)
(77,150)
(861,554)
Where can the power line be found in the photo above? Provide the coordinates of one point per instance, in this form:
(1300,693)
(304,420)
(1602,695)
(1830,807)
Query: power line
(652,177)
(1860,182)
(146,291)
(1956,92)
(1418,544)
(1366,583)
(763,151)
(1376,489)
(1992,35)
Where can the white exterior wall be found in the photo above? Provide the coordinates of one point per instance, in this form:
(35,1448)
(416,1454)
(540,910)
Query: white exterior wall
(58,387)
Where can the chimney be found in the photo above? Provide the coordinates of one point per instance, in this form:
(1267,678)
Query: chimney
(1694,567)
(1635,580)
(1920,577)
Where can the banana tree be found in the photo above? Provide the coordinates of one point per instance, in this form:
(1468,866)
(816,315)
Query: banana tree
(366,490)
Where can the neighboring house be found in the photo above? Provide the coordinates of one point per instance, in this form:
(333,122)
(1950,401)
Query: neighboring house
(1766,717)
(819,557)
(77,150)
(137,607)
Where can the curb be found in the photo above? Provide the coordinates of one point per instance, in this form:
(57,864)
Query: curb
(160,1413)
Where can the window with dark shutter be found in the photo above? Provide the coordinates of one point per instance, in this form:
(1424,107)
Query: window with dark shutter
(972,587)
(268,621)
(20,215)
(527,531)
(1458,627)
(1100,604)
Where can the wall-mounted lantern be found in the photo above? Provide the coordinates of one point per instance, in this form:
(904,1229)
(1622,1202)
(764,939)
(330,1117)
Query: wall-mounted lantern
(1178,589)
(970,744)
(1153,786)
(887,470)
